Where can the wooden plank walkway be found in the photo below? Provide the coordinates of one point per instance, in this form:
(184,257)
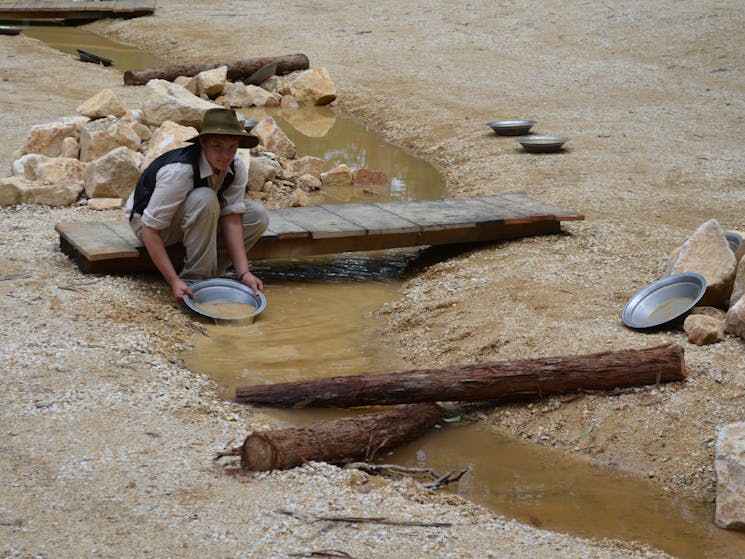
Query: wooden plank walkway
(99,247)
(85,10)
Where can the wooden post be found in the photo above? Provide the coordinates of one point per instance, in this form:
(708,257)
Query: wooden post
(237,70)
(503,380)
(337,441)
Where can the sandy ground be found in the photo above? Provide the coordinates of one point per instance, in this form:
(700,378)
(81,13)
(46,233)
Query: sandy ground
(107,440)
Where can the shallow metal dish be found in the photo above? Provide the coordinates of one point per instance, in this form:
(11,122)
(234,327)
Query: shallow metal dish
(249,124)
(734,240)
(542,144)
(511,127)
(664,300)
(225,290)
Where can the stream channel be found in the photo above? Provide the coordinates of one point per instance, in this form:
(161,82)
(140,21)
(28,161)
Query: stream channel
(321,320)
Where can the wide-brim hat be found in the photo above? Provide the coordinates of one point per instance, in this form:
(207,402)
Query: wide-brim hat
(225,123)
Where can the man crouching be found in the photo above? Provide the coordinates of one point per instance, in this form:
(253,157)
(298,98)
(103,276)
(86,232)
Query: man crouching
(195,196)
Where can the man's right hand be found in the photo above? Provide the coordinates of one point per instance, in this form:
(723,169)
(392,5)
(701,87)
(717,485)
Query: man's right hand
(180,288)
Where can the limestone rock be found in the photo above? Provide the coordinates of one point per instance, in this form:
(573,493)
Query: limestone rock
(169,135)
(735,321)
(211,82)
(308,165)
(142,131)
(273,138)
(70,148)
(187,82)
(113,175)
(16,190)
(730,468)
(703,330)
(708,253)
(713,312)
(262,169)
(288,102)
(299,198)
(47,139)
(260,97)
(236,95)
(738,286)
(167,101)
(98,137)
(41,168)
(338,176)
(11,191)
(103,103)
(310,182)
(313,87)
(366,177)
(102,204)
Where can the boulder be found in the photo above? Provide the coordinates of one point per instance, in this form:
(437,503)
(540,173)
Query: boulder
(98,137)
(738,286)
(142,131)
(288,102)
(16,190)
(260,97)
(41,168)
(70,148)
(707,252)
(273,138)
(313,87)
(47,139)
(308,165)
(338,176)
(103,103)
(309,182)
(366,177)
(236,95)
(113,175)
(299,198)
(187,82)
(11,191)
(703,329)
(713,312)
(262,169)
(167,101)
(211,82)
(169,135)
(729,464)
(734,323)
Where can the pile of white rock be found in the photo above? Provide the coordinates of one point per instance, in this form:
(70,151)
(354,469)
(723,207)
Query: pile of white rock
(99,154)
(722,308)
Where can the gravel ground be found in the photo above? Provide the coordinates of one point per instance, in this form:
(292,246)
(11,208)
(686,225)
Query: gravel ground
(108,441)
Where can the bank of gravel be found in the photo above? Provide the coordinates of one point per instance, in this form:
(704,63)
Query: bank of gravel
(109,440)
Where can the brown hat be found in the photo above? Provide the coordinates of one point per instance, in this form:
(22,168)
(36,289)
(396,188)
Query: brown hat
(225,123)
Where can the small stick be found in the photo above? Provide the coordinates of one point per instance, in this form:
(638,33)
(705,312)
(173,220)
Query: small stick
(322,553)
(364,520)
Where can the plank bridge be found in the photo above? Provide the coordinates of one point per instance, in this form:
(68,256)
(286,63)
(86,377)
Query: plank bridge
(111,247)
(86,10)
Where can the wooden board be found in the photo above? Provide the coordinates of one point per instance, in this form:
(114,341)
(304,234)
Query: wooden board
(296,232)
(89,9)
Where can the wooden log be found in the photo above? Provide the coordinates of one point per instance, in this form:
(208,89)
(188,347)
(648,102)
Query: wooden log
(237,70)
(337,441)
(503,380)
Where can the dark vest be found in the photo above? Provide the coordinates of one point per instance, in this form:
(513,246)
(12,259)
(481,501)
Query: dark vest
(190,154)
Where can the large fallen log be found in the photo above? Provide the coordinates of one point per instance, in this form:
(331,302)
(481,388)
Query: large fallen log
(237,70)
(337,441)
(502,380)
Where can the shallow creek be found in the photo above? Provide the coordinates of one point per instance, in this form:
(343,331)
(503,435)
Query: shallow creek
(320,321)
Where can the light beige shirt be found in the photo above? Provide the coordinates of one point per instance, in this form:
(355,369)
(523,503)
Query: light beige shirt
(173,184)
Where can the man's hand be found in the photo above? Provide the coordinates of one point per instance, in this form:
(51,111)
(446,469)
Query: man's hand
(252,281)
(180,288)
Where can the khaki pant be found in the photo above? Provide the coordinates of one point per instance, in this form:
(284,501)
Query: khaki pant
(195,225)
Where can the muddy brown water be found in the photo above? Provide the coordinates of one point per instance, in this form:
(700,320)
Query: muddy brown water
(321,321)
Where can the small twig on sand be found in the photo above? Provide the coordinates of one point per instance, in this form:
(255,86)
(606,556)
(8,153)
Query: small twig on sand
(321,553)
(390,470)
(363,520)
(14,277)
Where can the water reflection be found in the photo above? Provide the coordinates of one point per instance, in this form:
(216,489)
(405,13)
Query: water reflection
(319,132)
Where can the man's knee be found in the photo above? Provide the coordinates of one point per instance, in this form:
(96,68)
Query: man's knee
(255,218)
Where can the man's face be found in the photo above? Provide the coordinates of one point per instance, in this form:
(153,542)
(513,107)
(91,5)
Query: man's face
(219,150)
